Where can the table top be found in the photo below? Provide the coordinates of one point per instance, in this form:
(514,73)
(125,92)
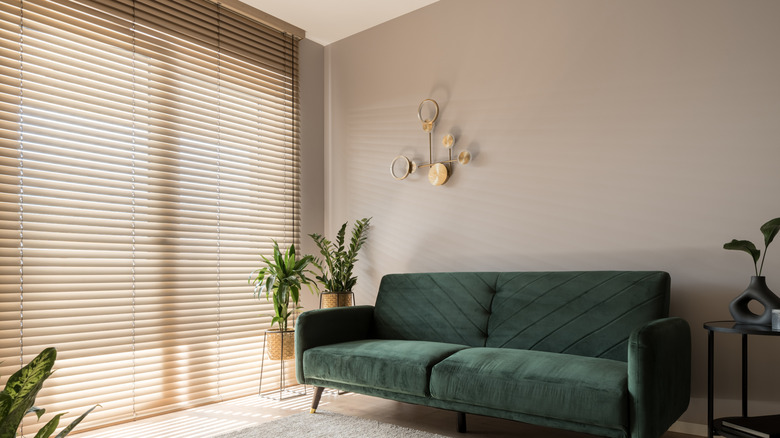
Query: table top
(745,329)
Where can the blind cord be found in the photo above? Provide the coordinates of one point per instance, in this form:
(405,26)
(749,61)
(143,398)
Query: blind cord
(21,183)
(132,206)
(219,198)
(21,188)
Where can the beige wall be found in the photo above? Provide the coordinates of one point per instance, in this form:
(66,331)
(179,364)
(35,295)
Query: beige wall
(312,133)
(606,135)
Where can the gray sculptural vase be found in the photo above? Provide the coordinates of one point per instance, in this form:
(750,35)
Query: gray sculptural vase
(757,290)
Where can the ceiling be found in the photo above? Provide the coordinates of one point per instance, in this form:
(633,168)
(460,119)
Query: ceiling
(327,21)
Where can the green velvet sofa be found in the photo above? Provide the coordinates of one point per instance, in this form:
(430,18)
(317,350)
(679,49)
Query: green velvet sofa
(591,351)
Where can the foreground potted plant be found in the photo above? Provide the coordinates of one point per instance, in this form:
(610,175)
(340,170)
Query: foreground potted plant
(757,289)
(19,394)
(280,281)
(337,263)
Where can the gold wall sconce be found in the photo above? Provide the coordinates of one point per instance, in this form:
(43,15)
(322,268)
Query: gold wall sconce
(438,172)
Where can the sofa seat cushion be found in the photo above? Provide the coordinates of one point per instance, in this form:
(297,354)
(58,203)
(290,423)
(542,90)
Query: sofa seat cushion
(392,365)
(566,387)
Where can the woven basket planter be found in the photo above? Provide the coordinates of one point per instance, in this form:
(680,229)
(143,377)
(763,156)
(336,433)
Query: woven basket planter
(336,299)
(280,345)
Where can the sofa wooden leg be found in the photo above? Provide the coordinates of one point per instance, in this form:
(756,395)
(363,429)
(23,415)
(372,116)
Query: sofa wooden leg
(316,401)
(461,422)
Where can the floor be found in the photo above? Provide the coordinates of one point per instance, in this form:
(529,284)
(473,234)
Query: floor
(212,420)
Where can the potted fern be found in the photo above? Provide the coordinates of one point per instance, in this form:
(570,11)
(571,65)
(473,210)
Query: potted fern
(337,263)
(280,281)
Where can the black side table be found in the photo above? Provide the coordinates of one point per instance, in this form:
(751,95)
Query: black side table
(714,425)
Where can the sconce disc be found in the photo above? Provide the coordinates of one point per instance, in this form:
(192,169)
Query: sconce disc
(428,123)
(464,157)
(438,174)
(448,141)
(406,165)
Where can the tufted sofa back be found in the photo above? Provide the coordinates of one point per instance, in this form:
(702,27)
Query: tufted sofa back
(588,313)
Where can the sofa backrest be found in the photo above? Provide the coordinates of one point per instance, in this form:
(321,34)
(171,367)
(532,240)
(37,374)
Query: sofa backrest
(588,313)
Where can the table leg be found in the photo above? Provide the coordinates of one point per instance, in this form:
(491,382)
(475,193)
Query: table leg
(710,380)
(744,375)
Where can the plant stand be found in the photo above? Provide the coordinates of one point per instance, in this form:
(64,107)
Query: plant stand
(284,392)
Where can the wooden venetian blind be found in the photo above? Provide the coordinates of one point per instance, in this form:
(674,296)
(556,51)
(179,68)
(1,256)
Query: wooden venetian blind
(149,154)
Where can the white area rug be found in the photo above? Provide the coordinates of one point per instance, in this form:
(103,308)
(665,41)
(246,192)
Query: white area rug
(327,424)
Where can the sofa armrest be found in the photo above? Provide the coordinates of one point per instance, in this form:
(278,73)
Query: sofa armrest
(659,375)
(330,326)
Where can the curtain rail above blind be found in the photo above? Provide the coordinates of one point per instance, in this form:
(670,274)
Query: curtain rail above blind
(262,17)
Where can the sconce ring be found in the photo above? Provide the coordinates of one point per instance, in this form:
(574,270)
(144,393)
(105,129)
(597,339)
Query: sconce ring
(428,124)
(406,172)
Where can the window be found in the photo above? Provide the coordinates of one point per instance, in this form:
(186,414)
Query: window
(149,155)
